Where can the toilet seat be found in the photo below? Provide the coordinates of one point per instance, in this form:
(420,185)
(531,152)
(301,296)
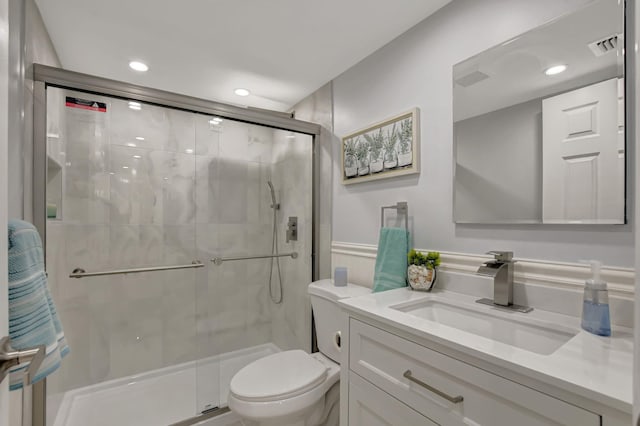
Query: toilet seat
(278,376)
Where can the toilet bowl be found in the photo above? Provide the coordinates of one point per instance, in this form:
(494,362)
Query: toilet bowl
(293,387)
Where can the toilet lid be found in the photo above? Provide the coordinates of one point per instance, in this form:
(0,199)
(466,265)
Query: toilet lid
(278,376)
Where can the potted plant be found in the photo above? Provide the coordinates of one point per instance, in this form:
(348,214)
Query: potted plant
(422,269)
(350,161)
(376,143)
(405,155)
(390,154)
(362,154)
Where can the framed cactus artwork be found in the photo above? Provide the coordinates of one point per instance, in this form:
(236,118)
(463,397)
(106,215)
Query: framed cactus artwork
(385,149)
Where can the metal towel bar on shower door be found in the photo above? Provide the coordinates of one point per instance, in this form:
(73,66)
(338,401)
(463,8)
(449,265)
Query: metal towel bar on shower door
(81,273)
(219,260)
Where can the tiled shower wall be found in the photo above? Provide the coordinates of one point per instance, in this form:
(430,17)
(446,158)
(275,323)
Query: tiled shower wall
(292,175)
(188,190)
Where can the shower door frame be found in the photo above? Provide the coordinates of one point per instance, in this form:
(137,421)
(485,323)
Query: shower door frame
(45,76)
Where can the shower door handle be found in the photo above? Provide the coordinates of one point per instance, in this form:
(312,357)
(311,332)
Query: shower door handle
(10,357)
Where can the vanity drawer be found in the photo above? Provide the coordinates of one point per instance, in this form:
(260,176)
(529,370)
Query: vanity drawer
(451,392)
(369,406)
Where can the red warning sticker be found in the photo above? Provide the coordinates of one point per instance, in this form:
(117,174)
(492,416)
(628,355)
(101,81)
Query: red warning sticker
(86,104)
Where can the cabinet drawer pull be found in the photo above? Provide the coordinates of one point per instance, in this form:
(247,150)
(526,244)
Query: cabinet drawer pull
(454,399)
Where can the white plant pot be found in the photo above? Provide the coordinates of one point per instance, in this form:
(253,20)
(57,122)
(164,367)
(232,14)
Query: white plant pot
(421,278)
(405,159)
(363,167)
(350,171)
(376,166)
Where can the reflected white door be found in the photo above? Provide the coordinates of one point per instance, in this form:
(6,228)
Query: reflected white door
(583,156)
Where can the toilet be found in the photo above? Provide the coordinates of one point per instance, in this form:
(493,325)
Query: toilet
(293,387)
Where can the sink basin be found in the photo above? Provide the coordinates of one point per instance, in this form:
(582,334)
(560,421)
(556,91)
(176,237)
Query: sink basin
(506,327)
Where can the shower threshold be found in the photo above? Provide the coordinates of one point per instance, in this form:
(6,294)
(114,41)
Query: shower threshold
(158,397)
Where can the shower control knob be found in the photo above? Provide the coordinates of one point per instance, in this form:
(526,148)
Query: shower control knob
(292,229)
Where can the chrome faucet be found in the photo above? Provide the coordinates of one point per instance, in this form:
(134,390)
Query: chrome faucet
(501,270)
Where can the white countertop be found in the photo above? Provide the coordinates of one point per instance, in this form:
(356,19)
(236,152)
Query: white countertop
(595,367)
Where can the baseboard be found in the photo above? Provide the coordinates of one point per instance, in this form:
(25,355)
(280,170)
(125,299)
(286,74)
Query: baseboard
(361,260)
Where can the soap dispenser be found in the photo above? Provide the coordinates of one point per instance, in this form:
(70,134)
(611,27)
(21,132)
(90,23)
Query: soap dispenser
(595,308)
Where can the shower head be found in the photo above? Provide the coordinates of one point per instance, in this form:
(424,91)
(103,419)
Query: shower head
(274,205)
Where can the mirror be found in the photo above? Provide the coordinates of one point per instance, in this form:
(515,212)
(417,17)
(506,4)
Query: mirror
(539,124)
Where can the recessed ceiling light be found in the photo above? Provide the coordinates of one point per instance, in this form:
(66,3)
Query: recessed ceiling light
(556,69)
(135,105)
(133,145)
(125,167)
(242,92)
(111,173)
(138,66)
(188,151)
(139,138)
(137,156)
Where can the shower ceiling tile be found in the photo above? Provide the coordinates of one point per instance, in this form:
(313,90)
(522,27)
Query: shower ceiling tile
(282,50)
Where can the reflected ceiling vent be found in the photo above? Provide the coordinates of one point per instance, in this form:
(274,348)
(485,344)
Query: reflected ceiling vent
(605,45)
(471,79)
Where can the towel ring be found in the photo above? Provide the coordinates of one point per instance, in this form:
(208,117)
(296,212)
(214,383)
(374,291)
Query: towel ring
(403,210)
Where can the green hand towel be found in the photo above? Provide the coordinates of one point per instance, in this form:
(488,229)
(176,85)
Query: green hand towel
(391,261)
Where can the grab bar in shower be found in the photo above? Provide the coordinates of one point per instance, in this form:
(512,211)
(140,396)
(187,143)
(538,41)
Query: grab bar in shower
(81,273)
(219,260)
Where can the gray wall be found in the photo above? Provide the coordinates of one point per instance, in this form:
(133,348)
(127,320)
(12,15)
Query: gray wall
(415,70)
(498,175)
(29,44)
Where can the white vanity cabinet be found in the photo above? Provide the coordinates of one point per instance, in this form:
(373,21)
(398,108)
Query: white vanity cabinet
(369,406)
(395,381)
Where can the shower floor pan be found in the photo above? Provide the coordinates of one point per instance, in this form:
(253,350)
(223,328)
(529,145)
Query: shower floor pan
(157,397)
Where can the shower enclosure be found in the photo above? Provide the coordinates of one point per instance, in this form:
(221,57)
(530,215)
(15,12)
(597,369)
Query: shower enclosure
(142,191)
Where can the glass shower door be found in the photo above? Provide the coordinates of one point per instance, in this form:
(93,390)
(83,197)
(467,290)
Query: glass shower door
(121,196)
(253,307)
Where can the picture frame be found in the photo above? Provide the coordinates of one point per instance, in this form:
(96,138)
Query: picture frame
(386,149)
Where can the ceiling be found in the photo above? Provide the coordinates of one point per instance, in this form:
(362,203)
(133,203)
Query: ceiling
(281,50)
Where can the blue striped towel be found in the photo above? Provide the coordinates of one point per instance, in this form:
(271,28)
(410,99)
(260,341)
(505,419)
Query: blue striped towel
(32,315)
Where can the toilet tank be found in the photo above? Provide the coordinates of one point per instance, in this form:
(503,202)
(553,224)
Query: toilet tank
(327,314)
